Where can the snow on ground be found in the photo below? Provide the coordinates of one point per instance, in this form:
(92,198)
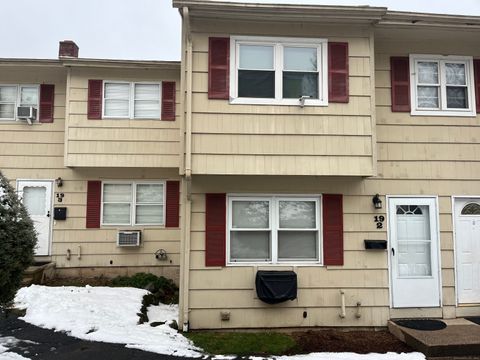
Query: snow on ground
(7,355)
(104,314)
(110,315)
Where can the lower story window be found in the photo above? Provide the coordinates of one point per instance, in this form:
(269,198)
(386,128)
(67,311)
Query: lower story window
(131,203)
(274,229)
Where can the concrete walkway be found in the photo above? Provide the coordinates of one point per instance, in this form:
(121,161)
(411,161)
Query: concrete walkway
(460,339)
(48,344)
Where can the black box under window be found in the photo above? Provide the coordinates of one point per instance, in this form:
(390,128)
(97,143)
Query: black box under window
(274,287)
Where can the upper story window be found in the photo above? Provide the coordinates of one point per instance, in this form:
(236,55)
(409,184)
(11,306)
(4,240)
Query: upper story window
(278,71)
(133,203)
(271,229)
(442,85)
(129,100)
(13,96)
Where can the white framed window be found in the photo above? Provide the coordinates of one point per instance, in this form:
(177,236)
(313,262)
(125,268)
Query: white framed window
(442,85)
(13,96)
(273,230)
(131,100)
(278,71)
(133,203)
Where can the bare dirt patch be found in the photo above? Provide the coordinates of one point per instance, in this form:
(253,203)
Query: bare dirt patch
(360,342)
(78,281)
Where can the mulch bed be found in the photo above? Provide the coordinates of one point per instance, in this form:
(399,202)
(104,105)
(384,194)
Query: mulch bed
(79,281)
(360,342)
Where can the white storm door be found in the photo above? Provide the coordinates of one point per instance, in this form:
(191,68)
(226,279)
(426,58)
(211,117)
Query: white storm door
(467,249)
(414,265)
(37,198)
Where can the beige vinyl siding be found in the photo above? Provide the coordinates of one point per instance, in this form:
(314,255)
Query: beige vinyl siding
(283,140)
(98,246)
(417,155)
(132,143)
(426,154)
(16,150)
(364,276)
(37,153)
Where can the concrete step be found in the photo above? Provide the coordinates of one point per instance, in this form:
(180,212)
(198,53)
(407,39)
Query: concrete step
(26,282)
(461,338)
(36,273)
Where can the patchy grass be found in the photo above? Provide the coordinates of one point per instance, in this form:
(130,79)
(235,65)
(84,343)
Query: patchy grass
(300,342)
(238,343)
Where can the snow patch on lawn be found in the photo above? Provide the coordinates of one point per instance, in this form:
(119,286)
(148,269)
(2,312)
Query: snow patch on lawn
(110,315)
(104,314)
(12,356)
(9,341)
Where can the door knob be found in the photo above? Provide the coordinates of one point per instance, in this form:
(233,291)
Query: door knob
(48,213)
(393,252)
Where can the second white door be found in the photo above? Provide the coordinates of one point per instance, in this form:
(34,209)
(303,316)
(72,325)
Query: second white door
(37,198)
(467,249)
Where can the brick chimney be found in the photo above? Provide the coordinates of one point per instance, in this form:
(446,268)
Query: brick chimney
(68,48)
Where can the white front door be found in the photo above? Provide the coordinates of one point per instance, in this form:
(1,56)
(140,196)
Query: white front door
(467,249)
(37,198)
(414,265)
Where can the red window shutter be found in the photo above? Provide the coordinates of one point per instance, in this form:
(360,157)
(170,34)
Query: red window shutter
(400,78)
(172,216)
(338,72)
(94,197)
(168,100)
(476,68)
(218,68)
(215,228)
(47,96)
(95,92)
(332,208)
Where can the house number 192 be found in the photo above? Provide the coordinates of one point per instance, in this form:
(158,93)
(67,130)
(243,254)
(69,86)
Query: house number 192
(379,221)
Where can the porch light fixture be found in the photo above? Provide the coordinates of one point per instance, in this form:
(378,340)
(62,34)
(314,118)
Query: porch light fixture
(377,203)
(59,181)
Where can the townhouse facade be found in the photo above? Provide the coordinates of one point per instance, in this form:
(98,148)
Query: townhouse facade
(100,157)
(302,166)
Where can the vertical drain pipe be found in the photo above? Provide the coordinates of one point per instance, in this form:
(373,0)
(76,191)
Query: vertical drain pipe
(343,311)
(188,169)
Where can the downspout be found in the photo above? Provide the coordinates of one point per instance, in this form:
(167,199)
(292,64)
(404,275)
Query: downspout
(67,116)
(188,115)
(187,96)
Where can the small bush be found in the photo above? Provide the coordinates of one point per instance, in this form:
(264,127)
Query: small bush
(164,290)
(17,241)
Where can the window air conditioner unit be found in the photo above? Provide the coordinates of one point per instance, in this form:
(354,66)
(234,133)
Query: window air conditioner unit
(128,238)
(28,113)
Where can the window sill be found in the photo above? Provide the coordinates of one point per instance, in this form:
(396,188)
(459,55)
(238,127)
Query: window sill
(281,102)
(19,122)
(130,227)
(288,264)
(125,118)
(443,113)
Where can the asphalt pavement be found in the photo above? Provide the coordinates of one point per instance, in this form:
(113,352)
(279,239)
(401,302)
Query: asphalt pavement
(37,344)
